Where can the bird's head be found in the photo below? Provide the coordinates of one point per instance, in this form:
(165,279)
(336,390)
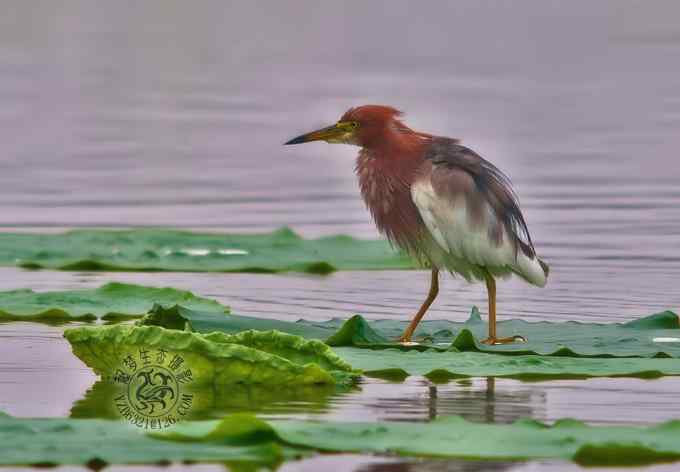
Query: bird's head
(361,126)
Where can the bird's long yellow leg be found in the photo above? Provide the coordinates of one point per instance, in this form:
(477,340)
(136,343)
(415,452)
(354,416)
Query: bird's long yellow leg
(492,339)
(434,290)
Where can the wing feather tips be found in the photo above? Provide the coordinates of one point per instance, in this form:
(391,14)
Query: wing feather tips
(533,270)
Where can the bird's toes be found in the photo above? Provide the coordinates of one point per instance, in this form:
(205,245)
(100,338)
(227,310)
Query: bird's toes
(512,339)
(405,339)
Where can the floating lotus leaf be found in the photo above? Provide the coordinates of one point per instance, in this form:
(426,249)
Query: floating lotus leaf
(365,347)
(96,443)
(249,440)
(216,359)
(182,251)
(454,437)
(656,335)
(109,302)
(442,366)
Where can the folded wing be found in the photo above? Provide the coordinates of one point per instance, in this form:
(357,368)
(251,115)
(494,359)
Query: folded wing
(472,213)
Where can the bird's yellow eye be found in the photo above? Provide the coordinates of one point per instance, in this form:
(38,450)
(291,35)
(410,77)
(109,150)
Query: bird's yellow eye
(347,125)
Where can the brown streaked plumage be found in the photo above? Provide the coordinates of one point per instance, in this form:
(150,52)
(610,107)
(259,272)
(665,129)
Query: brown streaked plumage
(439,201)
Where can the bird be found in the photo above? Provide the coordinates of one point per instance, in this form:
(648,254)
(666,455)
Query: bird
(439,201)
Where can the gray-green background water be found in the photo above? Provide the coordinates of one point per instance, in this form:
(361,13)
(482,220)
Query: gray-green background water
(173,113)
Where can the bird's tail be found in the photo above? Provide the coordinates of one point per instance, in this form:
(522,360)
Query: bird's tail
(532,269)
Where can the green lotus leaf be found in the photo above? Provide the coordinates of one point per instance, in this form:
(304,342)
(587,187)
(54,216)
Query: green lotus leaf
(524,439)
(216,359)
(654,336)
(96,443)
(249,440)
(440,366)
(454,437)
(392,361)
(180,317)
(182,251)
(109,302)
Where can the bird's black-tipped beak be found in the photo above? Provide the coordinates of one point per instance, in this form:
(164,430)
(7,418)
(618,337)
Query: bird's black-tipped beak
(299,140)
(330,134)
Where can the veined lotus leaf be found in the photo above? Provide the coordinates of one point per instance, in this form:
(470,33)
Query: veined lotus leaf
(440,366)
(182,251)
(249,440)
(217,359)
(656,335)
(365,347)
(454,437)
(109,302)
(96,443)
(180,317)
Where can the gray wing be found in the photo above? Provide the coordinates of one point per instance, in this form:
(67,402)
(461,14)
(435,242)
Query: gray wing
(490,185)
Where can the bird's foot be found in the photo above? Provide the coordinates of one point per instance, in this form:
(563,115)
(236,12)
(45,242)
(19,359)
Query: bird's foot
(510,340)
(405,338)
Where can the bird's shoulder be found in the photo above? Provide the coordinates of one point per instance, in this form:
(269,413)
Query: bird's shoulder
(449,153)
(446,156)
(453,168)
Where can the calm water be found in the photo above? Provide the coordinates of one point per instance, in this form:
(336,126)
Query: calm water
(172,113)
